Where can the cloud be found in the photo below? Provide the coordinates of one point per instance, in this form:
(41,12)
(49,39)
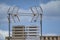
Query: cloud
(4,15)
(51,10)
(4,8)
(3,12)
(3,34)
(50,34)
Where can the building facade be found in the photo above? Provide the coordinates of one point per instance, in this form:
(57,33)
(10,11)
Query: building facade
(18,33)
(50,37)
(28,33)
(32,33)
(44,38)
(25,33)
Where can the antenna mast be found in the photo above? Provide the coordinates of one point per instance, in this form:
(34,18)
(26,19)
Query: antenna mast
(10,14)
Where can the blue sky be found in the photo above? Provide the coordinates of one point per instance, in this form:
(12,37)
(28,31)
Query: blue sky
(24,3)
(51,14)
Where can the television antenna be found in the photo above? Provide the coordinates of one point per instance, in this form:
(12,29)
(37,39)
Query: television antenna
(35,15)
(10,14)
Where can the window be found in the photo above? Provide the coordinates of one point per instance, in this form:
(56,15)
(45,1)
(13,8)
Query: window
(44,38)
(48,38)
(52,38)
(56,38)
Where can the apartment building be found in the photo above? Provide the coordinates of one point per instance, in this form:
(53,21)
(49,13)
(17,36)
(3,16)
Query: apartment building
(45,38)
(32,33)
(24,33)
(18,33)
(28,33)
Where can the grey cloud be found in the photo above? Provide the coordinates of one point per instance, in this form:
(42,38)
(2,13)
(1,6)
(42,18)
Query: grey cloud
(52,8)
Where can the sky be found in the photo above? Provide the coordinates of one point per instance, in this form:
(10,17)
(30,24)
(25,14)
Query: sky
(51,15)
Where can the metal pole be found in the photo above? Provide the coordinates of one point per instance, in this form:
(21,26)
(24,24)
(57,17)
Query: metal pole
(9,25)
(41,26)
